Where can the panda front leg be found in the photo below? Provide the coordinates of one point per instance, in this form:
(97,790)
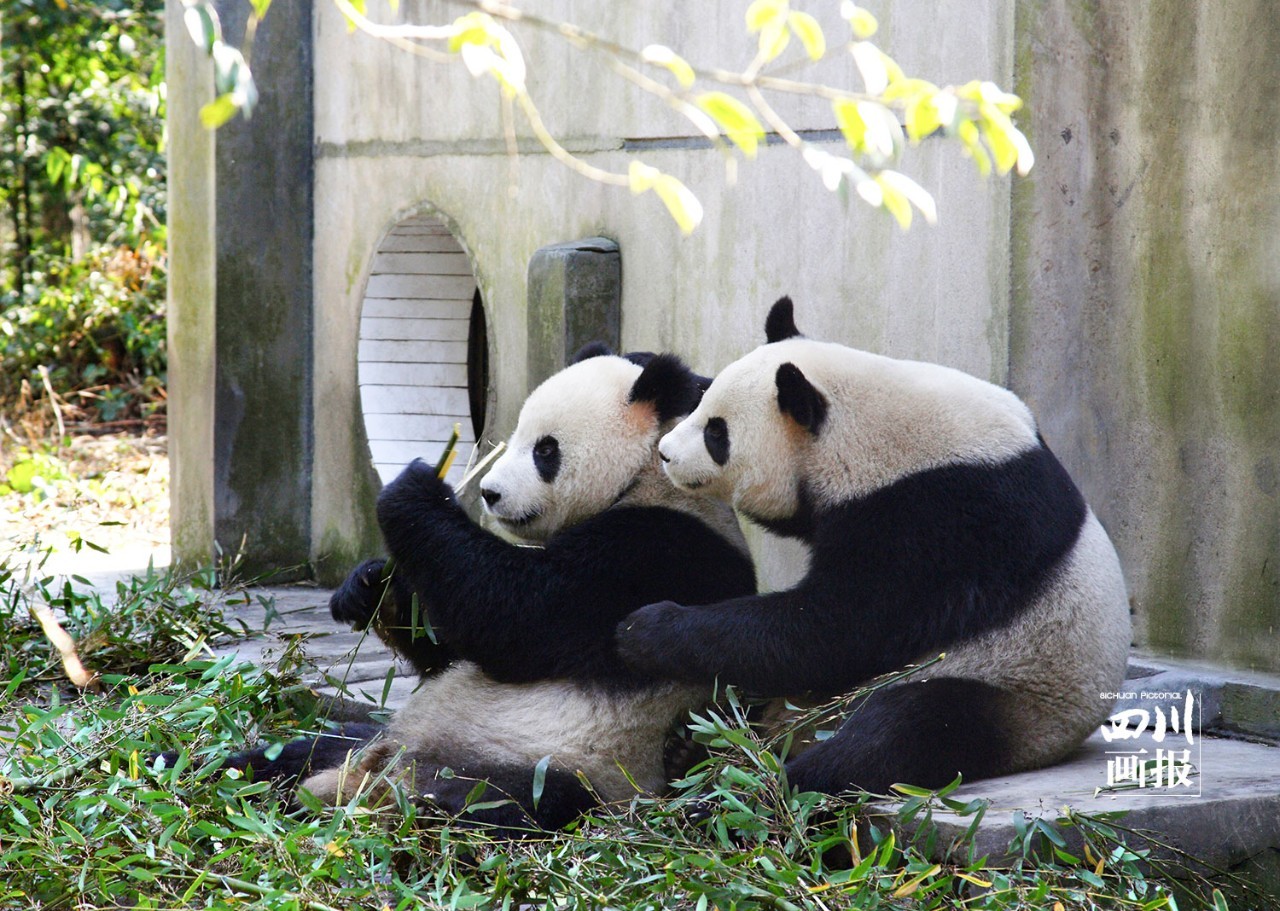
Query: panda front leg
(506,802)
(372,597)
(921,733)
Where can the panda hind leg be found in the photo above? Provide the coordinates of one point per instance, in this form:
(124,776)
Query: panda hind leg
(921,733)
(562,800)
(298,758)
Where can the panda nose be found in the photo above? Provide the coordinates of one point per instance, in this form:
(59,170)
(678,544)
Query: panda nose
(490,496)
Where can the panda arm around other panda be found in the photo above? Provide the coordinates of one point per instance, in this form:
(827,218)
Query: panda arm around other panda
(931,560)
(526,613)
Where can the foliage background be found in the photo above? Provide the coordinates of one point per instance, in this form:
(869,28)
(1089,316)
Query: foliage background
(82,197)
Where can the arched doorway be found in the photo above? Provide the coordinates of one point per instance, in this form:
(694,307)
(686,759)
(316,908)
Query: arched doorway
(423,355)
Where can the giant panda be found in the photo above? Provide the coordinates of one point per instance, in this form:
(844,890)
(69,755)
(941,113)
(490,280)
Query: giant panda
(518,660)
(938,522)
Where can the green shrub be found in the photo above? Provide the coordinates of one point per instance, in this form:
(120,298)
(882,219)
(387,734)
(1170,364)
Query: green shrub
(97,327)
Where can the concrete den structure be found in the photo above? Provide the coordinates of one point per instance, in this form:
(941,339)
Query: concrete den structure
(361,265)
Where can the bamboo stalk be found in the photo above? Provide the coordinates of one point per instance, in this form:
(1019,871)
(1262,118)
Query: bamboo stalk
(66,646)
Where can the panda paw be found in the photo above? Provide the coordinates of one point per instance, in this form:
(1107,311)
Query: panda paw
(414,490)
(645,638)
(356,600)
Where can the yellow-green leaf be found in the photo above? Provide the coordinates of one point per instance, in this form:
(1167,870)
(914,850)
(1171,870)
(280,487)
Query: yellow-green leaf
(680,202)
(851,124)
(219,111)
(1002,147)
(895,203)
(967,131)
(864,24)
(914,883)
(642,177)
(763,13)
(807,29)
(473,28)
(916,194)
(868,128)
(773,40)
(661,55)
(929,111)
(735,118)
(908,88)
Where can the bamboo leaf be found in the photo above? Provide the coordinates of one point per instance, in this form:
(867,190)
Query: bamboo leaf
(540,778)
(912,884)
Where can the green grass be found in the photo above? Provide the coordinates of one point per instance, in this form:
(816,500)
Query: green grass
(87,822)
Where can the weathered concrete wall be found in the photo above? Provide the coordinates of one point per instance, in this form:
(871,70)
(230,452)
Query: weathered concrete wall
(1146,329)
(395,133)
(240,300)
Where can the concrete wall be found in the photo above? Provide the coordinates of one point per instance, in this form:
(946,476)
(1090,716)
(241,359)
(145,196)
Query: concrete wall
(397,134)
(1131,294)
(1146,328)
(240,300)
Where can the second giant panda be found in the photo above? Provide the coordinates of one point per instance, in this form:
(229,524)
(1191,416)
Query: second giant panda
(938,521)
(519,662)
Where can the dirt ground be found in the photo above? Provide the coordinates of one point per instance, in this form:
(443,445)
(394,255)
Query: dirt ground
(113,492)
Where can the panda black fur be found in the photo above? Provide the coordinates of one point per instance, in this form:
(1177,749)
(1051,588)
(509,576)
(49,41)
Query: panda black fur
(531,628)
(938,521)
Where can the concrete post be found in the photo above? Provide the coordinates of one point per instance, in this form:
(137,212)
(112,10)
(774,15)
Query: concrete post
(575,297)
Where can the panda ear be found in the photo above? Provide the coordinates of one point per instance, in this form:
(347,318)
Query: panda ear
(781,322)
(667,384)
(800,400)
(590,350)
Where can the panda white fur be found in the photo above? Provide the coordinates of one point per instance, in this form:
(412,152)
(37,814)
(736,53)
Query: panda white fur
(523,665)
(938,521)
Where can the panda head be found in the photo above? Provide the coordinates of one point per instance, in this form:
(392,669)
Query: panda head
(583,438)
(798,426)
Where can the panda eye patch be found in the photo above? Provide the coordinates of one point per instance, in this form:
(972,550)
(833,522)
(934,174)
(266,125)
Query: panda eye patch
(715,436)
(546,458)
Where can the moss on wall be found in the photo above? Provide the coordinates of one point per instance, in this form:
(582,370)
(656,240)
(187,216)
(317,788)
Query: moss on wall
(1146,323)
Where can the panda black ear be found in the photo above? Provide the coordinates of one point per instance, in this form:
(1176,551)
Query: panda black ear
(781,322)
(639,358)
(590,350)
(800,400)
(669,385)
